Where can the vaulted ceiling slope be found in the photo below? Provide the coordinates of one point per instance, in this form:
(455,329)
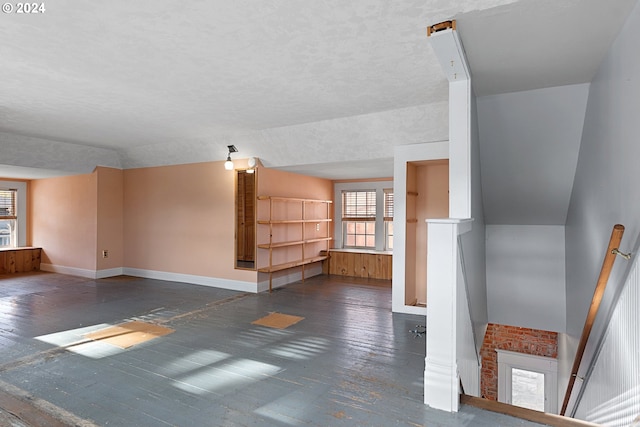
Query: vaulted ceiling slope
(312,86)
(529,153)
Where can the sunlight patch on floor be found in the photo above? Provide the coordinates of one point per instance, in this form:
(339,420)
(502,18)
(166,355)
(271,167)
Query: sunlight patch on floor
(226,377)
(192,362)
(301,349)
(74,341)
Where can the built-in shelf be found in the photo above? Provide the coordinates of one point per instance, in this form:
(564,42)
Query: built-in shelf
(280,244)
(319,239)
(282,224)
(293,221)
(285,266)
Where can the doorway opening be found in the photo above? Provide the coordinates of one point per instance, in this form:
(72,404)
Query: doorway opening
(527,389)
(528,381)
(245,219)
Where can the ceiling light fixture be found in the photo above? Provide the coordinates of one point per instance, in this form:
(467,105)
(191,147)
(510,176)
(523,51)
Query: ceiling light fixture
(252,165)
(228,165)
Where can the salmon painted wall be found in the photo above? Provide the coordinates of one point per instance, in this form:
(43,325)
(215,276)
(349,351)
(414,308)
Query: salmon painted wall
(64,220)
(180,219)
(432,180)
(411,295)
(110,199)
(271,182)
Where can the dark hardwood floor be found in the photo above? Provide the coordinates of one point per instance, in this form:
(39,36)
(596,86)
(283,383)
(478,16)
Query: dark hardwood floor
(349,362)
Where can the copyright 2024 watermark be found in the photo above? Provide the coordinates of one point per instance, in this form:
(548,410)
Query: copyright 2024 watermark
(23,8)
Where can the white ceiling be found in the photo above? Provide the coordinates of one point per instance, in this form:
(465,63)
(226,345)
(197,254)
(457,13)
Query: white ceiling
(319,86)
(539,43)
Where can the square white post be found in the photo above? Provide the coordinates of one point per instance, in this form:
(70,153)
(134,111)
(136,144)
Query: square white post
(441,377)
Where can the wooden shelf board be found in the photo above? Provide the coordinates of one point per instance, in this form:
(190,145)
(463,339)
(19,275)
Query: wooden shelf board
(315,259)
(319,239)
(292,264)
(293,199)
(280,221)
(293,221)
(280,244)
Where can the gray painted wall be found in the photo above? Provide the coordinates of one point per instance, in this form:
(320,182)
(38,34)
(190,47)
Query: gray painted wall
(525,276)
(473,242)
(530,142)
(606,189)
(529,152)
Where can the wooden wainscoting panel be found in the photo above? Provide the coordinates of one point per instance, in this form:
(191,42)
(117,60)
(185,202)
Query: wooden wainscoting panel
(19,260)
(360,264)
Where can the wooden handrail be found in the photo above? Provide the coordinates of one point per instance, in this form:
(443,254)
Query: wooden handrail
(605,271)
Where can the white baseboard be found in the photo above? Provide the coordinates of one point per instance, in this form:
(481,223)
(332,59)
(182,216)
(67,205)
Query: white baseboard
(109,272)
(234,285)
(82,272)
(410,309)
(71,271)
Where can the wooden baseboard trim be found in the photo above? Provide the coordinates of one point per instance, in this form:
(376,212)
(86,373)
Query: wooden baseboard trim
(523,413)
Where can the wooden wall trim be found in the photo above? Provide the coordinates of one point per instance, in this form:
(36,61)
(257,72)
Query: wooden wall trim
(524,413)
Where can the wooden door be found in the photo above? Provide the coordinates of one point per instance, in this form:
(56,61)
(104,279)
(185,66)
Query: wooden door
(245,217)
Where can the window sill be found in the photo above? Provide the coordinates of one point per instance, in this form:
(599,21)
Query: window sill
(19,248)
(361,251)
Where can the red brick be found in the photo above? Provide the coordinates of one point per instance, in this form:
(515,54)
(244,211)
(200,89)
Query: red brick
(505,337)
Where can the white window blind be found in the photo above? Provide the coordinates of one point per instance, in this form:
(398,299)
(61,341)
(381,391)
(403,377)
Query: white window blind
(359,205)
(8,204)
(388,205)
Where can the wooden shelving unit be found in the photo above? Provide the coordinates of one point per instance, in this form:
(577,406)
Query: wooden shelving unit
(303,247)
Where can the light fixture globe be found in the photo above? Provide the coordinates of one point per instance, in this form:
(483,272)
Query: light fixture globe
(228,165)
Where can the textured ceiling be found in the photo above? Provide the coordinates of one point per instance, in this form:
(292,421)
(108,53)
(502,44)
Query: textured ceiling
(122,73)
(314,84)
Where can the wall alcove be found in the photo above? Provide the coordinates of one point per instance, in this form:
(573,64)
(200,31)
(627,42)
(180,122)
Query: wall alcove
(245,217)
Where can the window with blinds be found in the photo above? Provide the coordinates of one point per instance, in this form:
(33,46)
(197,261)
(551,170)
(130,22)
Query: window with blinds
(8,204)
(388,205)
(8,218)
(388,219)
(359,219)
(359,205)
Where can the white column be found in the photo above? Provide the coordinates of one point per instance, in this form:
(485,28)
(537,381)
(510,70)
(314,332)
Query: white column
(441,378)
(447,47)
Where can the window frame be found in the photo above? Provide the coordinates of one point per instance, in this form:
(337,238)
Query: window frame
(388,218)
(378,187)
(21,210)
(8,214)
(548,366)
(360,221)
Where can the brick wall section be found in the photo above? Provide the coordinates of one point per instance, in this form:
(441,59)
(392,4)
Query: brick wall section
(512,338)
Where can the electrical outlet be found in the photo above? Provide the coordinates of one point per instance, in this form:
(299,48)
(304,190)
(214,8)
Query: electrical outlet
(318,227)
(105,254)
